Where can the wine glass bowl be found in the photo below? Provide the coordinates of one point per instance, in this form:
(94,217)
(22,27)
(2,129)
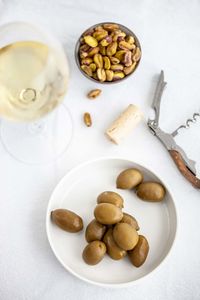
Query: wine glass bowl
(34,75)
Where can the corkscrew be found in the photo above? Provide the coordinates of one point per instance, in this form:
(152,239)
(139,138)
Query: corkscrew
(185,165)
(187,123)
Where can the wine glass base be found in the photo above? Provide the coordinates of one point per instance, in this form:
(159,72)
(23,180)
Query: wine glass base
(39,142)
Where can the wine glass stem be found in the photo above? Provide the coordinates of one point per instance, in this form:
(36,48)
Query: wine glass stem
(37,127)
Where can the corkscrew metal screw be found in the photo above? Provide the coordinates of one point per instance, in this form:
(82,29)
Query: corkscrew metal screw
(187,124)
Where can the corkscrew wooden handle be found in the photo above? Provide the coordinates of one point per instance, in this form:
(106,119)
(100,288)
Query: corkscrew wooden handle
(176,156)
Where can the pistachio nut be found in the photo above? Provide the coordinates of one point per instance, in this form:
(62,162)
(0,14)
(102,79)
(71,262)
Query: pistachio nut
(118,75)
(118,34)
(106,62)
(101,74)
(130,69)
(117,67)
(130,39)
(91,41)
(114,60)
(99,35)
(110,26)
(120,38)
(86,61)
(93,51)
(98,60)
(120,54)
(84,47)
(87,70)
(137,55)
(102,50)
(87,119)
(106,41)
(109,75)
(127,59)
(83,54)
(126,46)
(94,93)
(111,49)
(93,67)
(94,75)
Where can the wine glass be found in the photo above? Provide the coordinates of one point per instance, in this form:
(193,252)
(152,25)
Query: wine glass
(34,75)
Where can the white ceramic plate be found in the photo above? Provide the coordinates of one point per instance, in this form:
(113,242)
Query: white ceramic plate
(78,191)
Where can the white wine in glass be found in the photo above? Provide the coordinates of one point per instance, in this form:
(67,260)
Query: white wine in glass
(34,78)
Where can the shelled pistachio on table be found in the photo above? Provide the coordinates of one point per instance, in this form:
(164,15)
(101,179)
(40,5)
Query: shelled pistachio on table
(113,231)
(87,119)
(93,94)
(107,53)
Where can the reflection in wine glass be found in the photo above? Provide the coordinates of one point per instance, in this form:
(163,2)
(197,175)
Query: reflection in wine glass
(34,76)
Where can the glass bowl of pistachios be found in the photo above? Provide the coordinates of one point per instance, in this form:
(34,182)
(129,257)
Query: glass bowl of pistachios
(107,52)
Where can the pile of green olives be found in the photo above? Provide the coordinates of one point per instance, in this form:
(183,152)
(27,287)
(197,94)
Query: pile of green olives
(113,231)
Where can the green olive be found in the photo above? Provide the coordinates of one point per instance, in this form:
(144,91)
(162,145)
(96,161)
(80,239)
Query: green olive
(94,231)
(130,220)
(94,252)
(151,191)
(125,236)
(139,254)
(128,179)
(67,220)
(108,214)
(113,250)
(111,197)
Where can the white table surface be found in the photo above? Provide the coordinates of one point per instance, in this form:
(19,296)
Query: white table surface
(169,32)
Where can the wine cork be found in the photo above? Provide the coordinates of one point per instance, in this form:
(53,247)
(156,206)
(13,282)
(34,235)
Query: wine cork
(124,124)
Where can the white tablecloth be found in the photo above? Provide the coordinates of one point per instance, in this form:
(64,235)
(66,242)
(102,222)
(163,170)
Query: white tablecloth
(169,32)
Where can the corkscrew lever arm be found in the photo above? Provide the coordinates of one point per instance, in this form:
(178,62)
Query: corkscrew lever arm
(185,165)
